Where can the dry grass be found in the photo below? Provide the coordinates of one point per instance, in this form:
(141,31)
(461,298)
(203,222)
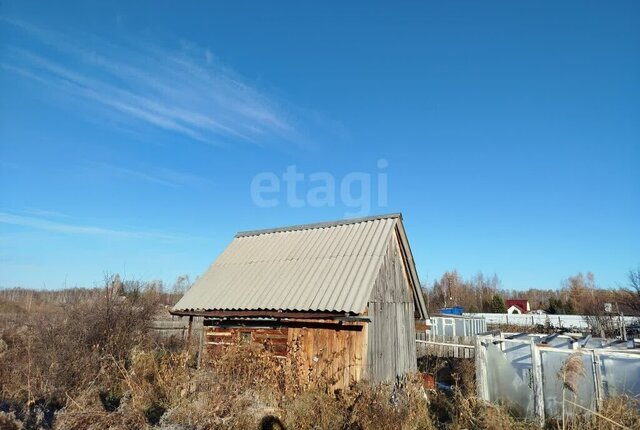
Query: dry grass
(240,388)
(617,413)
(461,411)
(95,366)
(257,385)
(572,372)
(246,387)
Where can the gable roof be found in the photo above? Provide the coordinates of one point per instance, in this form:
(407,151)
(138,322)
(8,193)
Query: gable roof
(516,306)
(325,267)
(522,304)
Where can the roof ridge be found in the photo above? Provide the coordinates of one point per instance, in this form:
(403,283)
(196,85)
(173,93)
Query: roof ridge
(318,225)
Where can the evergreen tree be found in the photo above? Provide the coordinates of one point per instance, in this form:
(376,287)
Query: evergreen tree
(497,304)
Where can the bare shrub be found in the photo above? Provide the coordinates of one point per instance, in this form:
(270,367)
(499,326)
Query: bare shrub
(50,357)
(8,421)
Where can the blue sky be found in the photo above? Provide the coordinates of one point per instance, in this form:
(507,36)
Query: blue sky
(507,133)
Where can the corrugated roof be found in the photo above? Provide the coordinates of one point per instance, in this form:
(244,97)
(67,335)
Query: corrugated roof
(315,267)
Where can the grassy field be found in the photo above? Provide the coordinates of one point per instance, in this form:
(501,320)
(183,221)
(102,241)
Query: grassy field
(87,359)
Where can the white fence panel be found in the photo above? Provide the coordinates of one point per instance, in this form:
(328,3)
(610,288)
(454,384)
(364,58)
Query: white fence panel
(567,321)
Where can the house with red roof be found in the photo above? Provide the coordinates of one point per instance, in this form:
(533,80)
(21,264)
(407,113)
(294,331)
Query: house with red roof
(518,306)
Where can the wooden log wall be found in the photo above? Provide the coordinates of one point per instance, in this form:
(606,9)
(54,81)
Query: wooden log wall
(327,351)
(274,340)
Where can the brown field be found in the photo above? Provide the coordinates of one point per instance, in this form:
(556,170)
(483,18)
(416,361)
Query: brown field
(89,359)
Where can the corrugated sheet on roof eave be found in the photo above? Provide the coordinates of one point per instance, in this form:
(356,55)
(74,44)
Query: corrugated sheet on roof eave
(325,224)
(258,310)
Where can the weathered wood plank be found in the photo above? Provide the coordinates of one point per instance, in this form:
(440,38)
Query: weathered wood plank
(391,345)
(458,347)
(538,394)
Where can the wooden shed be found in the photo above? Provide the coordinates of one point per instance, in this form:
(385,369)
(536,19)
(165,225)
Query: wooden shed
(346,290)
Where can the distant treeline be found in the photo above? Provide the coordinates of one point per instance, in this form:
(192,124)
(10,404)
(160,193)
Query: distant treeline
(578,294)
(17,300)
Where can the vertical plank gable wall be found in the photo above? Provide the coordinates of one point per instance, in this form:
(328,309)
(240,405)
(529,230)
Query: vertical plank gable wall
(391,346)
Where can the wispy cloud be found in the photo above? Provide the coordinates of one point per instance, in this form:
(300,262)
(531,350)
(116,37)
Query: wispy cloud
(44,213)
(68,228)
(154,175)
(186,91)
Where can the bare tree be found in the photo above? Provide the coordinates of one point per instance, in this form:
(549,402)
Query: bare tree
(631,294)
